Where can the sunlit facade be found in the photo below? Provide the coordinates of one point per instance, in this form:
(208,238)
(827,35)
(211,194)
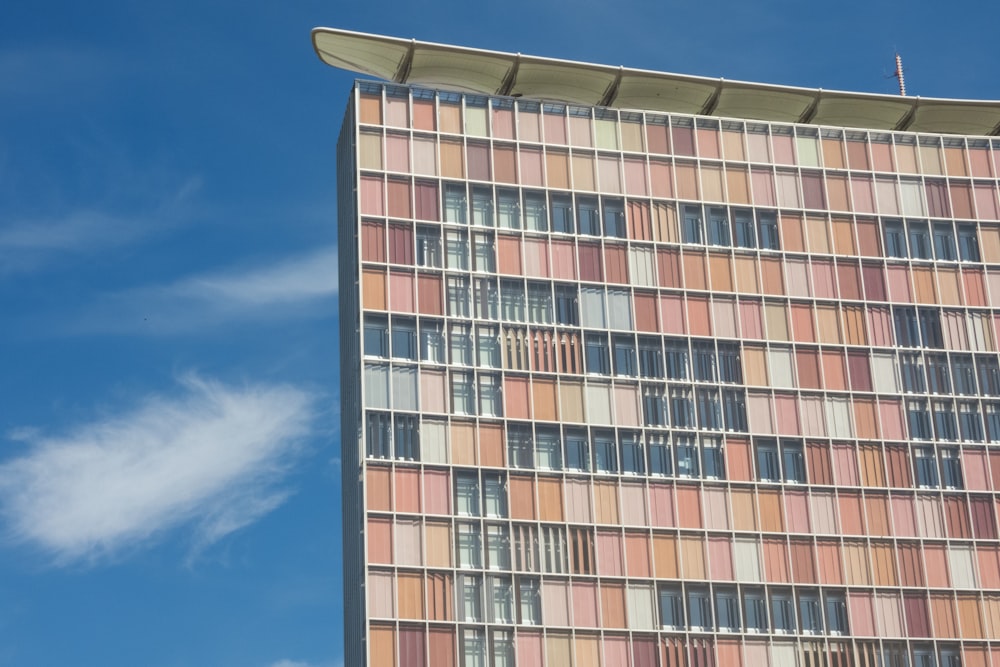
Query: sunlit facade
(636,387)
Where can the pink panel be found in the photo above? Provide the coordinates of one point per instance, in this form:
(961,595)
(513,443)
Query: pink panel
(635,178)
(936,562)
(720,558)
(783,153)
(672,314)
(529,649)
(891,416)
(516,397)
(879,327)
(788,414)
(751,320)
(503,123)
(633,499)
(759,413)
(989,566)
(578,501)
(584,605)
(615,650)
(531,166)
(661,179)
(372,196)
(823,280)
(397,153)
(609,554)
(986,202)
(437,492)
(555,128)
(899,284)
(904,521)
(563,260)
(845,465)
(861,620)
(974,463)
(407,494)
(609,175)
(626,406)
(763,187)
(661,502)
(432,391)
(401,292)
(555,607)
(536,258)
(797,512)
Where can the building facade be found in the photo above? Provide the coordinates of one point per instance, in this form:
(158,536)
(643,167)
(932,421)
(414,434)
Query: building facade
(625,385)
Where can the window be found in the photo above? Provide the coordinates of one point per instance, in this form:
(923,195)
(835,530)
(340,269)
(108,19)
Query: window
(500,599)
(682,407)
(783,612)
(920,242)
(605,454)
(709,409)
(539,303)
(529,601)
(945,427)
(895,238)
(930,327)
(467,545)
(654,405)
(650,358)
(484,256)
(497,547)
(597,357)
(614,218)
(577,451)
(502,648)
(482,206)
(968,243)
(470,587)
(463,398)
(677,360)
(780,460)
(487,299)
(376,338)
(691,229)
(938,377)
(912,369)
(703,355)
(490,399)
(457,249)
(793,461)
(520,449)
(944,241)
(905,325)
(746,234)
(734,409)
(923,657)
(548,449)
(671,608)
(487,346)
(378,435)
(494,496)
(458,297)
(964,374)
(925,467)
(918,419)
(988,370)
(730,369)
(969,423)
(718,227)
(699,609)
(768,462)
(472,648)
(566,305)
(727,610)
(687,457)
(460,344)
(624,355)
(455,209)
(992,414)
(633,461)
(432,342)
(466,494)
(587,216)
(810,614)
(406,436)
(536,218)
(512,300)
(754,611)
(951,468)
(429,246)
(712,464)
(658,451)
(836,613)
(561,208)
(767,228)
(404,338)
(509,209)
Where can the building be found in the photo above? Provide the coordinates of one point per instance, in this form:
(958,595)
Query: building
(654,370)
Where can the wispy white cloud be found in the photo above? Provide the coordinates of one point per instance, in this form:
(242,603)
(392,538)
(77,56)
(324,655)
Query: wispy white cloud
(293,285)
(210,458)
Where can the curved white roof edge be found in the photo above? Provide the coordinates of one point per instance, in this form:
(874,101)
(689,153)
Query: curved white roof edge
(512,74)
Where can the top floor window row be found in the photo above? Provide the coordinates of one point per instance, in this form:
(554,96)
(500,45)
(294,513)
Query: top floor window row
(662,134)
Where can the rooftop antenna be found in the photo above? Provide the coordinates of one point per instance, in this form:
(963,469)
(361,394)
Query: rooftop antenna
(899,74)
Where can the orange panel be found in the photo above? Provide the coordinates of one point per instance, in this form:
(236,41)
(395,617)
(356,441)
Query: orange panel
(522,497)
(377,488)
(550,499)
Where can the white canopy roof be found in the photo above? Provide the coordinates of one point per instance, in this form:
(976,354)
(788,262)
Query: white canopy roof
(497,73)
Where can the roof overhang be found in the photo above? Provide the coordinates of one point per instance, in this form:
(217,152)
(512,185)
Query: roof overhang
(498,73)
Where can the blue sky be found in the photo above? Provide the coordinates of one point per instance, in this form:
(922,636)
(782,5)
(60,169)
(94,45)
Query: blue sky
(168,363)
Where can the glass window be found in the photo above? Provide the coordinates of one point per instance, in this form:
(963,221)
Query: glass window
(500,599)
(482,206)
(597,356)
(376,338)
(487,299)
(944,241)
(836,613)
(989,374)
(810,614)
(467,545)
(467,494)
(746,234)
(470,588)
(912,370)
(429,246)
(457,249)
(699,609)
(793,460)
(509,209)
(727,610)
(964,374)
(459,296)
(704,361)
(539,303)
(463,398)
(992,415)
(536,217)
(754,611)
(567,311)
(512,300)
(734,409)
(709,408)
(687,457)
(484,256)
(768,463)
(529,601)
(624,355)
(502,647)
(404,338)
(729,367)
(938,377)
(548,449)
(677,359)
(614,218)
(945,427)
(406,436)
(712,464)
(497,547)
(925,467)
(951,468)
(455,204)
(460,344)
(895,239)
(605,454)
(969,423)
(520,449)
(767,228)
(920,241)
(487,346)
(671,608)
(783,612)
(968,243)
(905,325)
(718,227)
(561,208)
(432,342)
(654,406)
(494,496)
(378,435)
(633,461)
(691,229)
(577,451)
(918,419)
(473,648)
(650,358)
(682,407)
(658,450)
(490,399)
(587,216)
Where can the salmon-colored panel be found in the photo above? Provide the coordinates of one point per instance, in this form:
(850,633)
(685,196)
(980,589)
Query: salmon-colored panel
(834,374)
(407,490)
(828,325)
(802,325)
(771,278)
(877,514)
(637,562)
(949,287)
(833,154)
(543,400)
(661,178)
(379,535)
(381,646)
(737,185)
(616,263)
(612,605)
(760,413)
(606,502)
(942,610)
(743,506)
(505,164)
(857,568)
(699,319)
(777,320)
(522,497)
(807,364)
(669,269)
(689,506)
(853,320)
(898,466)
(410,595)
(591,263)
(450,118)
(803,561)
(609,554)
(970,619)
(550,499)
(857,155)
(378,488)
(911,565)
(646,316)
(399,196)
(401,286)
(503,123)
(899,283)
(437,492)
(563,260)
(661,503)
(463,443)
(785,407)
(843,236)
(819,463)
(956,514)
(988,560)
(588,651)
(687,181)
(695,271)
(849,509)
(373,289)
(557,169)
(373,242)
(738,460)
(516,397)
(869,244)
(848,280)
(874,282)
(763,187)
(673,318)
(936,564)
(441,647)
(923,283)
(429,294)
(372,196)
(721,272)
(819,235)
(861,613)
(531,166)
(776,569)
(828,556)
(975,289)
(665,556)
(509,255)
(837,190)
(891,419)
(747,280)
(720,558)
(770,511)
(791,233)
(438,543)
(984,523)
(693,557)
(491,445)
(986,201)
